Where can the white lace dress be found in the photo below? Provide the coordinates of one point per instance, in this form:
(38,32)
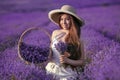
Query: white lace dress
(55,68)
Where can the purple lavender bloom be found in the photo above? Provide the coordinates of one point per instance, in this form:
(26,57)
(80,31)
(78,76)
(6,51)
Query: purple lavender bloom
(61,47)
(33,53)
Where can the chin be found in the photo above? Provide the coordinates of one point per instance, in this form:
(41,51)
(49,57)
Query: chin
(66,29)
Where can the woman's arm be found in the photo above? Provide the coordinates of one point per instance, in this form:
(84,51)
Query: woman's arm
(64,59)
(50,49)
(51,53)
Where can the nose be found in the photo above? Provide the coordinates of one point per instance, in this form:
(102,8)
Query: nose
(64,21)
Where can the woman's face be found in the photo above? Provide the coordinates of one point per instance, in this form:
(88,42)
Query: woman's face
(65,21)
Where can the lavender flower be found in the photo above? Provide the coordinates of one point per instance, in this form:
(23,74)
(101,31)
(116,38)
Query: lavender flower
(34,54)
(61,47)
(101,36)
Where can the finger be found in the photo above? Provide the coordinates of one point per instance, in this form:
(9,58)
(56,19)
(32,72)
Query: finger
(61,60)
(67,54)
(62,55)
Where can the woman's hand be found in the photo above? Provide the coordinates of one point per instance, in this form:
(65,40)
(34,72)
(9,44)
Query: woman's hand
(63,59)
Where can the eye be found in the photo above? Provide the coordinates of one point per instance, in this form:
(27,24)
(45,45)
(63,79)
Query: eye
(68,19)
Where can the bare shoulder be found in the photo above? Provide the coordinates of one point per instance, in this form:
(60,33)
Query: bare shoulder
(54,33)
(57,32)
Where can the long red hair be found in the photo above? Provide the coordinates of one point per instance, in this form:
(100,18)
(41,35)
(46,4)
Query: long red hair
(73,38)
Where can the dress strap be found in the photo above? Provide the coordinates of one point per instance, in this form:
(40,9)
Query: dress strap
(59,36)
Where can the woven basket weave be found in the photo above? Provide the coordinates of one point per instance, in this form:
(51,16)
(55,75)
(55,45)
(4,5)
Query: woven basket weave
(30,53)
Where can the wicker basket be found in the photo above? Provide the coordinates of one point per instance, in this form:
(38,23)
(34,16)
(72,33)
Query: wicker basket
(30,53)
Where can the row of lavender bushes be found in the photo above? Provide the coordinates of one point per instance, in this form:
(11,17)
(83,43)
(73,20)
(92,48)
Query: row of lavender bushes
(102,53)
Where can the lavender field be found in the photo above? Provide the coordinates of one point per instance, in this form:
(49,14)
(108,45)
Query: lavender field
(101,36)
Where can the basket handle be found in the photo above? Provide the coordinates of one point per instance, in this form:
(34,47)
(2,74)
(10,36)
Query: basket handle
(27,30)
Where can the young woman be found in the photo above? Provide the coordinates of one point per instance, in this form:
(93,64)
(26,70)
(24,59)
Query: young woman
(67,52)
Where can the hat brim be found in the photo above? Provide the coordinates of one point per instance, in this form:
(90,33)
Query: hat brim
(54,16)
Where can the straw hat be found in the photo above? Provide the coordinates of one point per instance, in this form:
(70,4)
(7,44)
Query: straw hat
(54,14)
